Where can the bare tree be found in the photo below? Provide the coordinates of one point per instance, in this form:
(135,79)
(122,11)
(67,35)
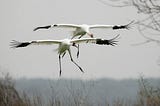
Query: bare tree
(149,26)
(8,94)
(151,22)
(148,95)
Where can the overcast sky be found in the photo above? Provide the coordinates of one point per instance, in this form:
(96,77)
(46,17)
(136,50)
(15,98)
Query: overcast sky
(18,18)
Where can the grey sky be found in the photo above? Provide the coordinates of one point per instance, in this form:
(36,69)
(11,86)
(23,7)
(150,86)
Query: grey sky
(20,17)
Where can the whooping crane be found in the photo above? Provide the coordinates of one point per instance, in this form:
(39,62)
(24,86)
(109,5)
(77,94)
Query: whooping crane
(64,46)
(81,30)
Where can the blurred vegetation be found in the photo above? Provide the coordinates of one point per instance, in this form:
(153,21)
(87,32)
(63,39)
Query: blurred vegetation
(147,95)
(8,94)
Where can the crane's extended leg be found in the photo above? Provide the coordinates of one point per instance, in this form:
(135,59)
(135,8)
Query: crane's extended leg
(60,65)
(63,54)
(78,46)
(78,51)
(74,61)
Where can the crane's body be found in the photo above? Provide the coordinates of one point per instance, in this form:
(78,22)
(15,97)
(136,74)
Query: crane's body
(64,46)
(81,31)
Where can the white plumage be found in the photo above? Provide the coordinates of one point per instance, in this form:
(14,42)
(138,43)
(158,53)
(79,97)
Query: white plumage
(64,45)
(81,30)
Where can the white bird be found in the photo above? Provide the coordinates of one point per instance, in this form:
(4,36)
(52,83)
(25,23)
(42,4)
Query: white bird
(64,45)
(81,30)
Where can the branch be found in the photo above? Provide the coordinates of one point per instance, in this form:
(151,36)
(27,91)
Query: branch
(124,4)
(148,39)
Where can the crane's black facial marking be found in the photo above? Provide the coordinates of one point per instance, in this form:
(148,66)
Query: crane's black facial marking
(91,35)
(74,44)
(44,27)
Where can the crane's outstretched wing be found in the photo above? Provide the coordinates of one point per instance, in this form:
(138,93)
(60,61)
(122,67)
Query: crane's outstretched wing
(17,44)
(84,40)
(58,25)
(99,41)
(114,27)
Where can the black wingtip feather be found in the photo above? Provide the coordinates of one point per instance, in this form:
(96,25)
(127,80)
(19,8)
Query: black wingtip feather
(111,42)
(55,25)
(127,26)
(44,27)
(16,44)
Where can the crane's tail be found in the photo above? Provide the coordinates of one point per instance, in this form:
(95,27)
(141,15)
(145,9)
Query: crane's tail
(17,44)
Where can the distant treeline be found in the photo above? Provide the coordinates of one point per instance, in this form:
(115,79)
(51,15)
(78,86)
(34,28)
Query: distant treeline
(95,92)
(76,92)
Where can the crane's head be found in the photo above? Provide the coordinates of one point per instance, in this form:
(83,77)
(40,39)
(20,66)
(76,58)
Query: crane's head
(74,44)
(91,35)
